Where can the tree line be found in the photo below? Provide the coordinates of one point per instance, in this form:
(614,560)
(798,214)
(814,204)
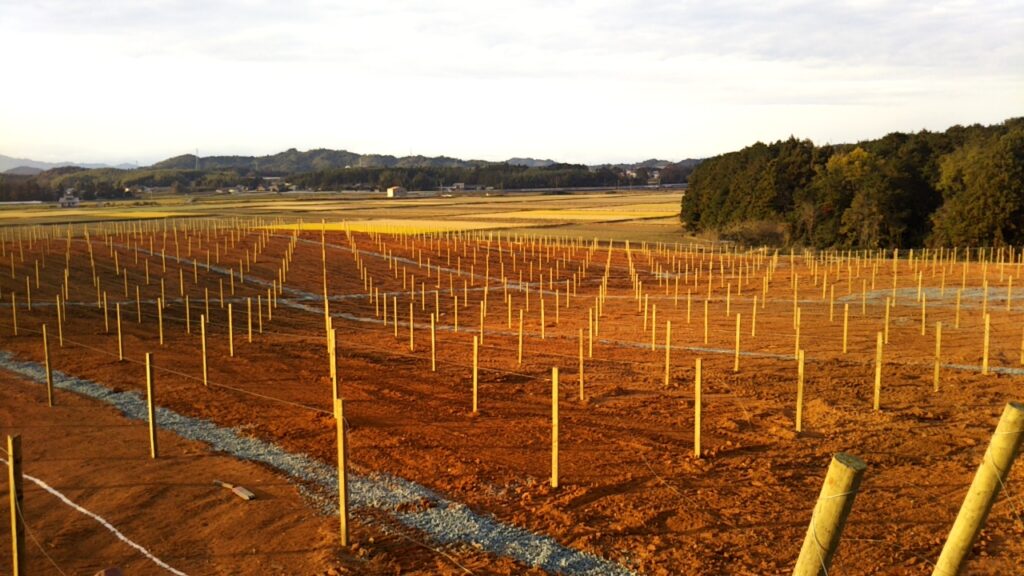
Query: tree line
(964,186)
(112,182)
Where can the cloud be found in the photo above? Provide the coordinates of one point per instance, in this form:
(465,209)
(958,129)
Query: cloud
(597,80)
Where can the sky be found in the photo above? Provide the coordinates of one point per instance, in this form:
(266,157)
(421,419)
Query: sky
(591,81)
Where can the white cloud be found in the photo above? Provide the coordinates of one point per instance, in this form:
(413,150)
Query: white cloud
(580,81)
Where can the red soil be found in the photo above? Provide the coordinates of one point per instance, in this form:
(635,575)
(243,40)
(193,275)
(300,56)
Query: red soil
(631,490)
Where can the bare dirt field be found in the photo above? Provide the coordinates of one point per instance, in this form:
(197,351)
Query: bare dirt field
(632,496)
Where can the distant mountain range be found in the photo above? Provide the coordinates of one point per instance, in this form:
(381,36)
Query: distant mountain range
(293,161)
(26,167)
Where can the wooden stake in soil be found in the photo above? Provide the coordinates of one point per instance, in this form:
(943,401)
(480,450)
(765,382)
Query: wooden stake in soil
(433,343)
(120,341)
(668,352)
(830,512)
(231,333)
(150,409)
(160,319)
(991,475)
(202,331)
(696,408)
(14,483)
(581,365)
(800,391)
(846,324)
(554,427)
(938,355)
(984,352)
(736,362)
(878,370)
(49,369)
(476,369)
(520,354)
(339,411)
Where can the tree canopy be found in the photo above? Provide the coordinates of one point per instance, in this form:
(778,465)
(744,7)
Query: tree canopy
(961,186)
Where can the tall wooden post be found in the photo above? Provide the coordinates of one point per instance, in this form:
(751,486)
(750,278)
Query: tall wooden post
(668,352)
(582,397)
(830,512)
(120,340)
(476,363)
(990,477)
(938,355)
(433,342)
(554,427)
(202,332)
(878,370)
(150,408)
(14,483)
(49,369)
(984,352)
(696,407)
(800,391)
(231,333)
(339,410)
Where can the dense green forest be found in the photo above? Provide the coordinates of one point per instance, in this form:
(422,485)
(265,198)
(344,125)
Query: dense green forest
(964,186)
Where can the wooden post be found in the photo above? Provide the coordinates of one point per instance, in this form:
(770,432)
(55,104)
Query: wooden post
(991,475)
(959,292)
(668,351)
(885,330)
(753,319)
(339,411)
(150,409)
(878,370)
(520,354)
(846,324)
(581,365)
(938,355)
(476,364)
(160,319)
(984,352)
(49,369)
(332,357)
(796,336)
(736,362)
(248,305)
(800,391)
(17,497)
(830,512)
(14,311)
(696,408)
(231,333)
(202,331)
(120,340)
(705,321)
(554,427)
(412,343)
(433,343)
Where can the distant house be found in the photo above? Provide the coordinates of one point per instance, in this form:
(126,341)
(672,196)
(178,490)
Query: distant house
(69,200)
(397,192)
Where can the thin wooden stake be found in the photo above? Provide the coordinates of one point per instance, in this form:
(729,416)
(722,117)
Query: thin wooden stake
(150,409)
(554,427)
(339,411)
(938,355)
(696,408)
(202,331)
(49,369)
(17,499)
(878,370)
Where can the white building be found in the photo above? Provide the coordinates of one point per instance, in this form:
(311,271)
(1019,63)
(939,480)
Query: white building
(69,200)
(397,192)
